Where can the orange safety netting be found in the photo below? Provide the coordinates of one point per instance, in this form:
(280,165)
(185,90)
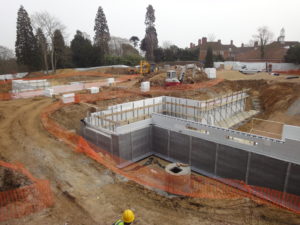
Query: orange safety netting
(290,72)
(5,96)
(25,200)
(192,186)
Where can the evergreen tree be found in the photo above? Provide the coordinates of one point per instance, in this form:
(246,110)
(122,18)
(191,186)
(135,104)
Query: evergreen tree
(209,63)
(25,46)
(293,54)
(83,53)
(150,41)
(135,40)
(42,48)
(59,49)
(102,35)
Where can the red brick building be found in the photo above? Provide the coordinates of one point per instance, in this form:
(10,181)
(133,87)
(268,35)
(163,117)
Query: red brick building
(274,52)
(226,51)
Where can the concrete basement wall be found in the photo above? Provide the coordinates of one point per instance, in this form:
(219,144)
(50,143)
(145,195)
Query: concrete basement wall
(223,161)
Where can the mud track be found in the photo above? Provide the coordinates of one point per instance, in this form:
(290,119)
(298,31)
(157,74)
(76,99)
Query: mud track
(87,193)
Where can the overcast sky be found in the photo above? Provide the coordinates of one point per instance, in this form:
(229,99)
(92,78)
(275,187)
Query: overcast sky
(179,22)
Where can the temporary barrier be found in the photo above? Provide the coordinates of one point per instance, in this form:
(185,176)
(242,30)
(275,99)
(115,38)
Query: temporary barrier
(5,96)
(25,200)
(150,175)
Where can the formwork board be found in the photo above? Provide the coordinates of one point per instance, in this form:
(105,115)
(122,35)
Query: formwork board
(293,185)
(203,155)
(179,147)
(231,163)
(141,142)
(160,140)
(267,172)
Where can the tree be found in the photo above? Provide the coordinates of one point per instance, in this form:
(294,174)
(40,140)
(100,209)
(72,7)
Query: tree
(59,49)
(166,44)
(48,24)
(7,61)
(211,37)
(150,42)
(209,63)
(102,35)
(6,53)
(293,54)
(83,52)
(42,48)
(264,36)
(134,40)
(25,46)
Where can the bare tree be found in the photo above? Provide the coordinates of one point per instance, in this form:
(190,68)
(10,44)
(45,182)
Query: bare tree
(166,44)
(6,53)
(264,36)
(48,24)
(211,37)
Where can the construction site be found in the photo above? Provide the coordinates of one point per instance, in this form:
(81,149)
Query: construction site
(79,147)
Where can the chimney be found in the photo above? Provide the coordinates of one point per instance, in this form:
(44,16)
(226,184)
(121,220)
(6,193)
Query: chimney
(243,45)
(204,40)
(256,44)
(219,41)
(191,45)
(231,42)
(199,42)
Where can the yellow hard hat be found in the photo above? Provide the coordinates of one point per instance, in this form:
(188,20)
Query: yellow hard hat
(128,216)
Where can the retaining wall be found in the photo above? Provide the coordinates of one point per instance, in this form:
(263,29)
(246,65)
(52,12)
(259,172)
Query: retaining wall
(261,161)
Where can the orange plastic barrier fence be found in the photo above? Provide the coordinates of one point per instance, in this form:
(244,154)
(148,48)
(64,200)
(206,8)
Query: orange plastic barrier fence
(291,72)
(156,177)
(5,96)
(25,200)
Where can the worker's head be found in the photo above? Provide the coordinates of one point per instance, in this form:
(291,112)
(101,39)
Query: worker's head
(128,216)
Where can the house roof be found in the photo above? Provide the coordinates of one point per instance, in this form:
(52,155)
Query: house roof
(217,46)
(274,50)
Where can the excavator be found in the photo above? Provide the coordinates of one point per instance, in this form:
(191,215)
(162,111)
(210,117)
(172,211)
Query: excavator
(144,68)
(172,78)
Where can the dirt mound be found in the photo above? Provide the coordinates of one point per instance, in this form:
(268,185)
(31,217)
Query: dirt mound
(10,179)
(118,71)
(159,79)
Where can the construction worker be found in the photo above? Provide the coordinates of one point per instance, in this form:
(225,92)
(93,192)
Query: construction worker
(127,218)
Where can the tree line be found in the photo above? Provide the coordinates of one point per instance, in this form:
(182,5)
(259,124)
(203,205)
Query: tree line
(40,45)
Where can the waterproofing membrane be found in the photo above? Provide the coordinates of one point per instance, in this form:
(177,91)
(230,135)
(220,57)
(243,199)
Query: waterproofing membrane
(267,172)
(179,147)
(160,140)
(206,156)
(203,155)
(141,142)
(231,163)
(293,185)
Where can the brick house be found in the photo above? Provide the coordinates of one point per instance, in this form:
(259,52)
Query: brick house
(274,52)
(226,51)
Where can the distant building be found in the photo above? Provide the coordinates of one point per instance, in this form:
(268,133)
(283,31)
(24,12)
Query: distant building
(274,52)
(219,49)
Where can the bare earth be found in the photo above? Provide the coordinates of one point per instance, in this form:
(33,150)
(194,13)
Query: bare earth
(87,193)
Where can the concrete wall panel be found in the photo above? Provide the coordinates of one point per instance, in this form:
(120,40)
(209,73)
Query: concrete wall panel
(160,140)
(141,142)
(267,172)
(231,163)
(293,185)
(203,155)
(179,147)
